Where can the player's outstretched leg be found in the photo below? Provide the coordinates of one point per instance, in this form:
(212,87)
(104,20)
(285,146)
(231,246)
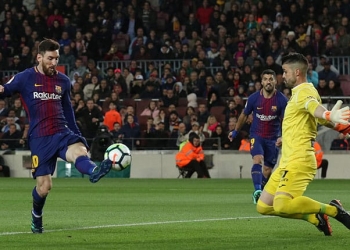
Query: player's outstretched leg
(101,170)
(37,223)
(256,196)
(324,225)
(342,216)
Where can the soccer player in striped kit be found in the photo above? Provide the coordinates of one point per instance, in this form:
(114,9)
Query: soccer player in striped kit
(267,107)
(53,132)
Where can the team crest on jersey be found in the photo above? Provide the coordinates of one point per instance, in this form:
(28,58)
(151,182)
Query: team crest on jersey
(58,89)
(274,108)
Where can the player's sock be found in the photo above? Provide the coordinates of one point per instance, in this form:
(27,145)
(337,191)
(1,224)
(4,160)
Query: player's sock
(38,203)
(263,181)
(301,205)
(256,176)
(84,165)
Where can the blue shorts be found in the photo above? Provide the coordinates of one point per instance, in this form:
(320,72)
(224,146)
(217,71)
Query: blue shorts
(45,151)
(265,147)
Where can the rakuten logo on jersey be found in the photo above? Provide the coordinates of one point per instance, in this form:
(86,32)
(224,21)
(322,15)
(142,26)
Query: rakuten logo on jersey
(266,117)
(46,96)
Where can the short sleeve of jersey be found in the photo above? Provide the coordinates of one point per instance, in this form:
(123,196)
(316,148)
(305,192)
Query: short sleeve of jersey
(249,106)
(308,99)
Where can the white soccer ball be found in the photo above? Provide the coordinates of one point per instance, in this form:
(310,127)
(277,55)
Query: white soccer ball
(120,155)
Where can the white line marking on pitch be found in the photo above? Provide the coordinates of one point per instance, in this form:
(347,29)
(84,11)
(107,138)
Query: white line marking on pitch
(140,224)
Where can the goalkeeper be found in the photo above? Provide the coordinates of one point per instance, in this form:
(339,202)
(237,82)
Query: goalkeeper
(283,194)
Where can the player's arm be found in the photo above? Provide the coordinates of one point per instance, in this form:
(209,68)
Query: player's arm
(242,118)
(12,86)
(241,121)
(337,118)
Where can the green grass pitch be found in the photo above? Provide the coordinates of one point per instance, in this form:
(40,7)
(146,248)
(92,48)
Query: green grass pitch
(160,214)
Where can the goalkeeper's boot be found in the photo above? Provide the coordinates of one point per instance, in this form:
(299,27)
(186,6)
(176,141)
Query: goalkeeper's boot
(37,224)
(342,216)
(256,196)
(101,170)
(324,225)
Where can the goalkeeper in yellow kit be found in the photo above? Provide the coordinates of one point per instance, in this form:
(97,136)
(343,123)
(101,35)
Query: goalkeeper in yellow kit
(283,194)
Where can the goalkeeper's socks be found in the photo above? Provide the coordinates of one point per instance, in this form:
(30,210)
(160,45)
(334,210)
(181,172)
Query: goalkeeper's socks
(38,203)
(256,176)
(85,165)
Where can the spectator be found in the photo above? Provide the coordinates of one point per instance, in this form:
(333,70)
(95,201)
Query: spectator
(112,116)
(113,53)
(169,99)
(196,128)
(18,108)
(131,133)
(312,75)
(79,68)
(179,91)
(203,14)
(8,121)
(10,139)
(191,25)
(187,118)
(103,90)
(323,60)
(3,109)
(220,138)
(161,117)
(181,134)
(322,88)
(150,92)
(334,89)
(202,114)
(161,136)
(137,87)
(191,156)
(151,111)
(16,64)
(130,110)
(172,124)
(210,125)
(150,134)
(232,110)
(116,132)
(89,119)
(129,77)
(327,73)
(119,80)
(90,87)
(213,100)
(67,57)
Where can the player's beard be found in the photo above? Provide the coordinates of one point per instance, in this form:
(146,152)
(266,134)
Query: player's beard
(49,71)
(290,83)
(269,88)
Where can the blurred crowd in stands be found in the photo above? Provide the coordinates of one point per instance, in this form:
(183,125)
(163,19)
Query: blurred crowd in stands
(150,110)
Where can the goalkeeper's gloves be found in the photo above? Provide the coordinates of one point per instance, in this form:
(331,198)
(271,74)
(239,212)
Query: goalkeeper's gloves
(344,129)
(337,114)
(234,134)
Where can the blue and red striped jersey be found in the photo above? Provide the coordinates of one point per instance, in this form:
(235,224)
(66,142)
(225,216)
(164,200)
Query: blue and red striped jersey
(267,114)
(46,100)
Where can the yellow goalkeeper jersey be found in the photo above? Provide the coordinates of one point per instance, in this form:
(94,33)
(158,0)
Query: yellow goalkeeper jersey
(299,127)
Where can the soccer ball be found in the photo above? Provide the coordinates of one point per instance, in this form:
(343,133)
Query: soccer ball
(120,155)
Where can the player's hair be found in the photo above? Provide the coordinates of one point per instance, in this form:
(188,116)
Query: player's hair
(296,59)
(48,45)
(268,72)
